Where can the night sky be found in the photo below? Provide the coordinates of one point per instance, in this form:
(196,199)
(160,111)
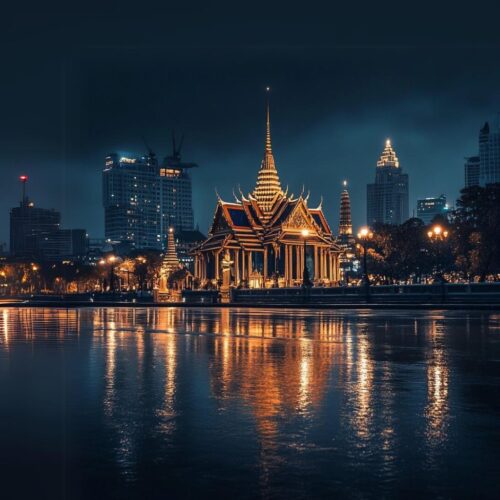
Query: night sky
(77,85)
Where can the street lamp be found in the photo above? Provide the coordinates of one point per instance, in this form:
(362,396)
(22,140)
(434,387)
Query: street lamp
(365,235)
(111,260)
(306,280)
(438,235)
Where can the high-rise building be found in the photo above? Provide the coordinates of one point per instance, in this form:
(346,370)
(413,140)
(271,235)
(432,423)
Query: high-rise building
(489,155)
(484,168)
(428,208)
(36,233)
(62,244)
(387,197)
(27,223)
(131,201)
(176,193)
(143,199)
(472,165)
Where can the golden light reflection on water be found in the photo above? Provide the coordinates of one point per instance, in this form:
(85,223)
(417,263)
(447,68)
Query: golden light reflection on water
(362,408)
(437,408)
(274,367)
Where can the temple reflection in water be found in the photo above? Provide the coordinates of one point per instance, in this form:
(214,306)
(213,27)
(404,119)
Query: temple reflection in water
(273,363)
(360,382)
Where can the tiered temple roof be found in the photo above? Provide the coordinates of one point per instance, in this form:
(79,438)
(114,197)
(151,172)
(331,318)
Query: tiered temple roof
(170,261)
(345,225)
(267,215)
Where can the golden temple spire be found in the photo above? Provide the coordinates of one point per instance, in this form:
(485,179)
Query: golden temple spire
(268,124)
(170,261)
(268,186)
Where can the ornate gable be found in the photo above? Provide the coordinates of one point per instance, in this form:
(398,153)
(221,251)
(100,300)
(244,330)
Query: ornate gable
(220,222)
(300,218)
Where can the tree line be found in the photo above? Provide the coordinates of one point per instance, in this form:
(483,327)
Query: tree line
(470,251)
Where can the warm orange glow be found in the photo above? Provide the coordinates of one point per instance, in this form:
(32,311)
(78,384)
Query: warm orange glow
(437,231)
(364,233)
(305,233)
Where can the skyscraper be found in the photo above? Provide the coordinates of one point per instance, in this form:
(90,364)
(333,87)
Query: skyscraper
(489,155)
(472,166)
(143,199)
(132,210)
(387,197)
(36,232)
(484,168)
(176,196)
(428,208)
(28,222)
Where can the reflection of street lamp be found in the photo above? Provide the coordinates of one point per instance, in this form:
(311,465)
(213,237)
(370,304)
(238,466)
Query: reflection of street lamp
(306,281)
(437,235)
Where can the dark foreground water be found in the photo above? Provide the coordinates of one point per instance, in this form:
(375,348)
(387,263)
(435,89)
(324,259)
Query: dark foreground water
(167,403)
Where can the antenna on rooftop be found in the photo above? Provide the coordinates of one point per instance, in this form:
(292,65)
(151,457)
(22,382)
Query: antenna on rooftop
(24,179)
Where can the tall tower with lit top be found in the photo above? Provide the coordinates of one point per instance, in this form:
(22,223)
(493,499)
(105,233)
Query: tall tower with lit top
(345,225)
(387,197)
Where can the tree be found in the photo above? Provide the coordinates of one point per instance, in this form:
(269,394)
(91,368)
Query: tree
(476,239)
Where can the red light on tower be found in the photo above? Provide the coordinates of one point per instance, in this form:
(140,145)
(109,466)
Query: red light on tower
(24,179)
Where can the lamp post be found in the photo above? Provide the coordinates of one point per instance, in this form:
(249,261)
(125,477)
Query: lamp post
(364,235)
(111,260)
(438,235)
(306,280)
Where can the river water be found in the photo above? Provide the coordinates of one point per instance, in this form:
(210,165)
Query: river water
(245,403)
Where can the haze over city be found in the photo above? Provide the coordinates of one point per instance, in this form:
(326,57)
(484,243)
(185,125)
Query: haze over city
(335,99)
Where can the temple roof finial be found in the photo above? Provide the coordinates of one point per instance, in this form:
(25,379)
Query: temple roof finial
(268,122)
(268,187)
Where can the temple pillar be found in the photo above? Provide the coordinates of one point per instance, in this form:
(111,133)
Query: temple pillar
(249,264)
(265,265)
(315,262)
(237,266)
(216,257)
(325,265)
(287,264)
(243,265)
(297,262)
(330,267)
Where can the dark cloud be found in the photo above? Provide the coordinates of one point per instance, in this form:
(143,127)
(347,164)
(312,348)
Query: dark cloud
(77,85)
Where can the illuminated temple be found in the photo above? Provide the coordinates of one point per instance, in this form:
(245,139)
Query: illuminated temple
(259,238)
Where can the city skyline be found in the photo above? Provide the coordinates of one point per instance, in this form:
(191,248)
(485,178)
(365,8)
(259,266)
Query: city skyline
(337,95)
(203,219)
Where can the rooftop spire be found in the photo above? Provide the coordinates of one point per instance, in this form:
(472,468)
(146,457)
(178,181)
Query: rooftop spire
(170,260)
(268,186)
(345,226)
(268,123)
(388,157)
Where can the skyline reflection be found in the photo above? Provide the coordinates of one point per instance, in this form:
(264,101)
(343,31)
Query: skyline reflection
(253,387)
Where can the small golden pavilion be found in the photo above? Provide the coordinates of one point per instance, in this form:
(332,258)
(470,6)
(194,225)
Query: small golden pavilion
(261,237)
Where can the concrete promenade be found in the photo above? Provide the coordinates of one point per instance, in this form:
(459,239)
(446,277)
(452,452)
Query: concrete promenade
(448,296)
